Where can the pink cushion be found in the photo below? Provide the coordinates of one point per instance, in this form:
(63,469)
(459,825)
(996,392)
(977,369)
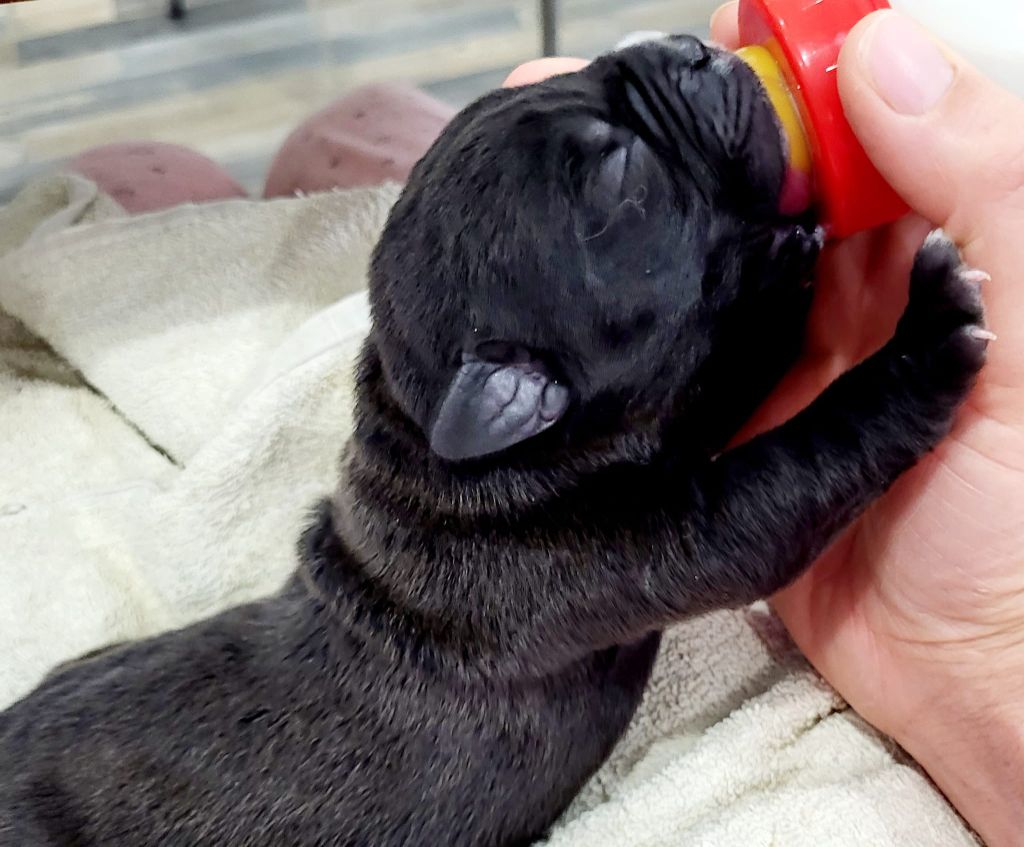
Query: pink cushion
(146,175)
(374,134)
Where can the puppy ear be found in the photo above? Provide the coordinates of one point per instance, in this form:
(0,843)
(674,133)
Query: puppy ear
(492,405)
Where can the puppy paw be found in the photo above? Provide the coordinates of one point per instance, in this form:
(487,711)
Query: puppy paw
(942,332)
(796,248)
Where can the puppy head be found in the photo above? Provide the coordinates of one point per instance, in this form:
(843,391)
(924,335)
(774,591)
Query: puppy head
(596,256)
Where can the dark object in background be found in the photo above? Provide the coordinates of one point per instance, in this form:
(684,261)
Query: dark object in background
(582,293)
(549,27)
(177,10)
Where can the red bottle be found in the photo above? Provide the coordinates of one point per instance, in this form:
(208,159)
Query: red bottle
(803,38)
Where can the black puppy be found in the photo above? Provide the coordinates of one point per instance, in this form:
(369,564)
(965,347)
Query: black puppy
(583,291)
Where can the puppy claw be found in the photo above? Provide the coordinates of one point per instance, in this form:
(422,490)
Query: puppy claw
(819,236)
(981,333)
(977,277)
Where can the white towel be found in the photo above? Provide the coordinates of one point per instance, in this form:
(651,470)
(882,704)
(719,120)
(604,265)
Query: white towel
(175,390)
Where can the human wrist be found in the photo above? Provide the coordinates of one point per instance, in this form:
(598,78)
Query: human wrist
(970,740)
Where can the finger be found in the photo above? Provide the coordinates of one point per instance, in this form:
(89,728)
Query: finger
(540,69)
(950,141)
(725,25)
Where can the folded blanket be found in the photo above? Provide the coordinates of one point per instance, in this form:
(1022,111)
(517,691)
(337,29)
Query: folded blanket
(175,390)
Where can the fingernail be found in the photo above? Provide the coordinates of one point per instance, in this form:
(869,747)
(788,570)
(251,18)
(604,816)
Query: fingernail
(909,70)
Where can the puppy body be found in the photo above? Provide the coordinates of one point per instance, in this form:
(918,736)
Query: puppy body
(581,294)
(273,725)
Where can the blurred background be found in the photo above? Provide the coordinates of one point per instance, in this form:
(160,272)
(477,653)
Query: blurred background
(233,77)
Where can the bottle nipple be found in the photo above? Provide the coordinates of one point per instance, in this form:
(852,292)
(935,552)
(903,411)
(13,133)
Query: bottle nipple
(797,187)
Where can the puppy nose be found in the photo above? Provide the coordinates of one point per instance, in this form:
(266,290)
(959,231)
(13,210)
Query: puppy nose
(694,51)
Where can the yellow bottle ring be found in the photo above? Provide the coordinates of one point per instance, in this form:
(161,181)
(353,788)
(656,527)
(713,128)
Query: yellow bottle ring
(768,71)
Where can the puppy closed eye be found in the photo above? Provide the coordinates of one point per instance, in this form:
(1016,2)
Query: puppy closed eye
(615,189)
(604,157)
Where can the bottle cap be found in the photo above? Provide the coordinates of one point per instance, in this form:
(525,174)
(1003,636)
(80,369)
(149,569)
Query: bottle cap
(804,39)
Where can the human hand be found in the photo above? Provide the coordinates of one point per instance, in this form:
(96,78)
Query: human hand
(916,614)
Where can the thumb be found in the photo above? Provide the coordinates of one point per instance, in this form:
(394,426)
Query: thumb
(950,141)
(540,69)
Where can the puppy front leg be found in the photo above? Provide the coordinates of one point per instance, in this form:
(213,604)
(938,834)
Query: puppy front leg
(751,522)
(771,506)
